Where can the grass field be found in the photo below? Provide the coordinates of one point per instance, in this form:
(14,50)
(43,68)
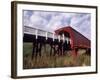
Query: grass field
(47,61)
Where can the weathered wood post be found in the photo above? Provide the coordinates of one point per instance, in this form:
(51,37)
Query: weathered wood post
(36,33)
(59,38)
(46,35)
(63,37)
(35,44)
(53,36)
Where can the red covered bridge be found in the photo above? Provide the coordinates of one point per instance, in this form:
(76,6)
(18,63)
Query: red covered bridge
(61,40)
(77,40)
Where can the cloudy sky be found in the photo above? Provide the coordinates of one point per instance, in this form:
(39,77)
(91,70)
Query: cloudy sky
(51,21)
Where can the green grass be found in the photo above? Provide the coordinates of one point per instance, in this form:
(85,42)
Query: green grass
(47,61)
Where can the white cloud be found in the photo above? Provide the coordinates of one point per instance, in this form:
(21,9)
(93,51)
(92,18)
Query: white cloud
(37,21)
(82,24)
(51,21)
(26,18)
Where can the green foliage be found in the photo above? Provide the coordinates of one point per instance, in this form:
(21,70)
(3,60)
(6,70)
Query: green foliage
(27,49)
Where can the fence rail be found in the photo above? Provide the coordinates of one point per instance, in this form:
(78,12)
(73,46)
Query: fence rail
(38,32)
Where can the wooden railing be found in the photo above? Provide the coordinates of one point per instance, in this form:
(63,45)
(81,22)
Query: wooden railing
(46,34)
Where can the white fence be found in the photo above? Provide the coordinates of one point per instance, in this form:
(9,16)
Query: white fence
(38,32)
